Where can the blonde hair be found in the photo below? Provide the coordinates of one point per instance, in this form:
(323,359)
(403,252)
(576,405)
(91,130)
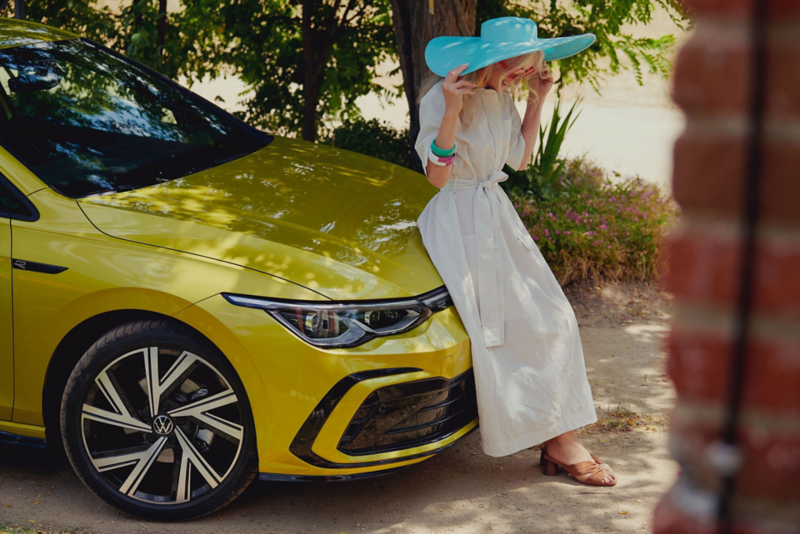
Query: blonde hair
(481,76)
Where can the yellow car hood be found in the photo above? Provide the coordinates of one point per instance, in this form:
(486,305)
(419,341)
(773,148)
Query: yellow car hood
(336,222)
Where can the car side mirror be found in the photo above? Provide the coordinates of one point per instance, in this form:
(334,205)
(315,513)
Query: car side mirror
(36,78)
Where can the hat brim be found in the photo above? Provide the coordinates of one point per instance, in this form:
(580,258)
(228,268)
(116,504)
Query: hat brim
(445,53)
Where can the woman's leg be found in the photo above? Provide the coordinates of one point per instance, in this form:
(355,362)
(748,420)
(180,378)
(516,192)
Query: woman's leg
(567,449)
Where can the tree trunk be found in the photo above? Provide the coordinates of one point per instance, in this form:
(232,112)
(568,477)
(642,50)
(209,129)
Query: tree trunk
(310,78)
(414,26)
(310,102)
(317,43)
(162,23)
(19,9)
(138,19)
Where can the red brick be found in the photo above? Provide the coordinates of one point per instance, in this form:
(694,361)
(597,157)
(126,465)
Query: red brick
(782,80)
(708,172)
(713,84)
(723,8)
(699,366)
(780,187)
(713,75)
(713,72)
(710,168)
(670,519)
(770,460)
(777,10)
(702,268)
(706,269)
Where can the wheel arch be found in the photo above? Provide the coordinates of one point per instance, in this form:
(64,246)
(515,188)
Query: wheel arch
(71,349)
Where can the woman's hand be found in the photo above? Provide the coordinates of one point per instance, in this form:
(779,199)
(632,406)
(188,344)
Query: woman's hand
(541,82)
(454,88)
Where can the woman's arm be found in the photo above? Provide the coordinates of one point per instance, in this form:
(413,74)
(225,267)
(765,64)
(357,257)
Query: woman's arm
(438,175)
(454,90)
(533,113)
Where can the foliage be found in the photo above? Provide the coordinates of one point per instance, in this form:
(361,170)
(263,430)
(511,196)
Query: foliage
(541,177)
(302,72)
(190,45)
(604,19)
(373,138)
(274,55)
(268,43)
(84,17)
(599,229)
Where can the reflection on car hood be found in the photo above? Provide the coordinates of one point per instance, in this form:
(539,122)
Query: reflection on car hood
(339,223)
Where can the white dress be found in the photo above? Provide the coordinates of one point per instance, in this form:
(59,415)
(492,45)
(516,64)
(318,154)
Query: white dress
(526,349)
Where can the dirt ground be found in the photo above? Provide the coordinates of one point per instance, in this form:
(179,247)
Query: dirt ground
(459,490)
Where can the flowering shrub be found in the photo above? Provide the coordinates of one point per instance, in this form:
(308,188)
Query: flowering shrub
(592,228)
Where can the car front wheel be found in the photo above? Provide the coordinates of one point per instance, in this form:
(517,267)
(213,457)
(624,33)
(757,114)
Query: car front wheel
(156,422)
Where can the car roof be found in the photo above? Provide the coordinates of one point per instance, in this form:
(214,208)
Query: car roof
(20,32)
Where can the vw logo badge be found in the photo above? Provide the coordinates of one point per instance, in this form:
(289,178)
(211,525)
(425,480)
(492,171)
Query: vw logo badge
(162,425)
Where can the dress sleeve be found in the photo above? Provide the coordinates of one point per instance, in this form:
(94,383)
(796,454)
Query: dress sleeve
(517,144)
(431,112)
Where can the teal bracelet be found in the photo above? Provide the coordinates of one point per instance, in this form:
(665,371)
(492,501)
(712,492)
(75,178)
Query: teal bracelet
(442,153)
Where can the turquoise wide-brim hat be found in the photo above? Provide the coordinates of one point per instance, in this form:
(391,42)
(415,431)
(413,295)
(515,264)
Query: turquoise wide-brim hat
(500,39)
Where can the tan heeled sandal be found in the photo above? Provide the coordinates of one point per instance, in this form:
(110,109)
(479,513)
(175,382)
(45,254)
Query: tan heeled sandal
(594,470)
(595,458)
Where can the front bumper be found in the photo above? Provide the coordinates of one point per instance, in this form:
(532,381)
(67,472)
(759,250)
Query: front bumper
(317,412)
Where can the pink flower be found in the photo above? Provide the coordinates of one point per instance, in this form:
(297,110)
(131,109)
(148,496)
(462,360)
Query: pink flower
(602,226)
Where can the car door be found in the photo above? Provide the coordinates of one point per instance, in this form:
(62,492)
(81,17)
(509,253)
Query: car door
(13,205)
(8,203)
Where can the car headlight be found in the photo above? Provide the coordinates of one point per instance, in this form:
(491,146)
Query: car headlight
(348,323)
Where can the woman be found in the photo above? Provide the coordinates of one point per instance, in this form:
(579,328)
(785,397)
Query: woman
(530,376)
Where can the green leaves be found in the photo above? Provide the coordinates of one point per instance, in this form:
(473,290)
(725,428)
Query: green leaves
(547,166)
(373,138)
(268,53)
(262,41)
(597,228)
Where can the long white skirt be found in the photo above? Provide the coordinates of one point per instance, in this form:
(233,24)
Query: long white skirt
(532,386)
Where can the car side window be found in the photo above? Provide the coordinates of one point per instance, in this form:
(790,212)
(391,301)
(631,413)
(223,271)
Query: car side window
(12,203)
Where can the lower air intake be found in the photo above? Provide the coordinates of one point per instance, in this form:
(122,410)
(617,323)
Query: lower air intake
(402,416)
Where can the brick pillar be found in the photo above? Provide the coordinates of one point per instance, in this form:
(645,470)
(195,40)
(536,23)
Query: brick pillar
(713,85)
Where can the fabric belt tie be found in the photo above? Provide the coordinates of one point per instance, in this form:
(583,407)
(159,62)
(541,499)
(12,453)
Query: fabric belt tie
(487,205)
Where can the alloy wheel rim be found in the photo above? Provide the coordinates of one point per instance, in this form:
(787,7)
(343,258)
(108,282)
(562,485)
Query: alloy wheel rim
(162,437)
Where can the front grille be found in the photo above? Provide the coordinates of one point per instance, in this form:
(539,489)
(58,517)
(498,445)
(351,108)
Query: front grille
(411,414)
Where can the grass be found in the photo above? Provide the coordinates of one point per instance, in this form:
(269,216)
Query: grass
(624,420)
(35,527)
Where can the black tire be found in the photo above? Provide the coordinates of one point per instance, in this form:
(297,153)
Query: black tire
(106,409)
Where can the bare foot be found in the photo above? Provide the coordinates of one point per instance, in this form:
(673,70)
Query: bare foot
(568,450)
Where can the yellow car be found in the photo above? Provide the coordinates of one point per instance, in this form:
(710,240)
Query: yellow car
(188,303)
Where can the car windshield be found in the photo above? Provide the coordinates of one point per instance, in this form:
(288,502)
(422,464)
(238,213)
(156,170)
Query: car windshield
(88,121)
